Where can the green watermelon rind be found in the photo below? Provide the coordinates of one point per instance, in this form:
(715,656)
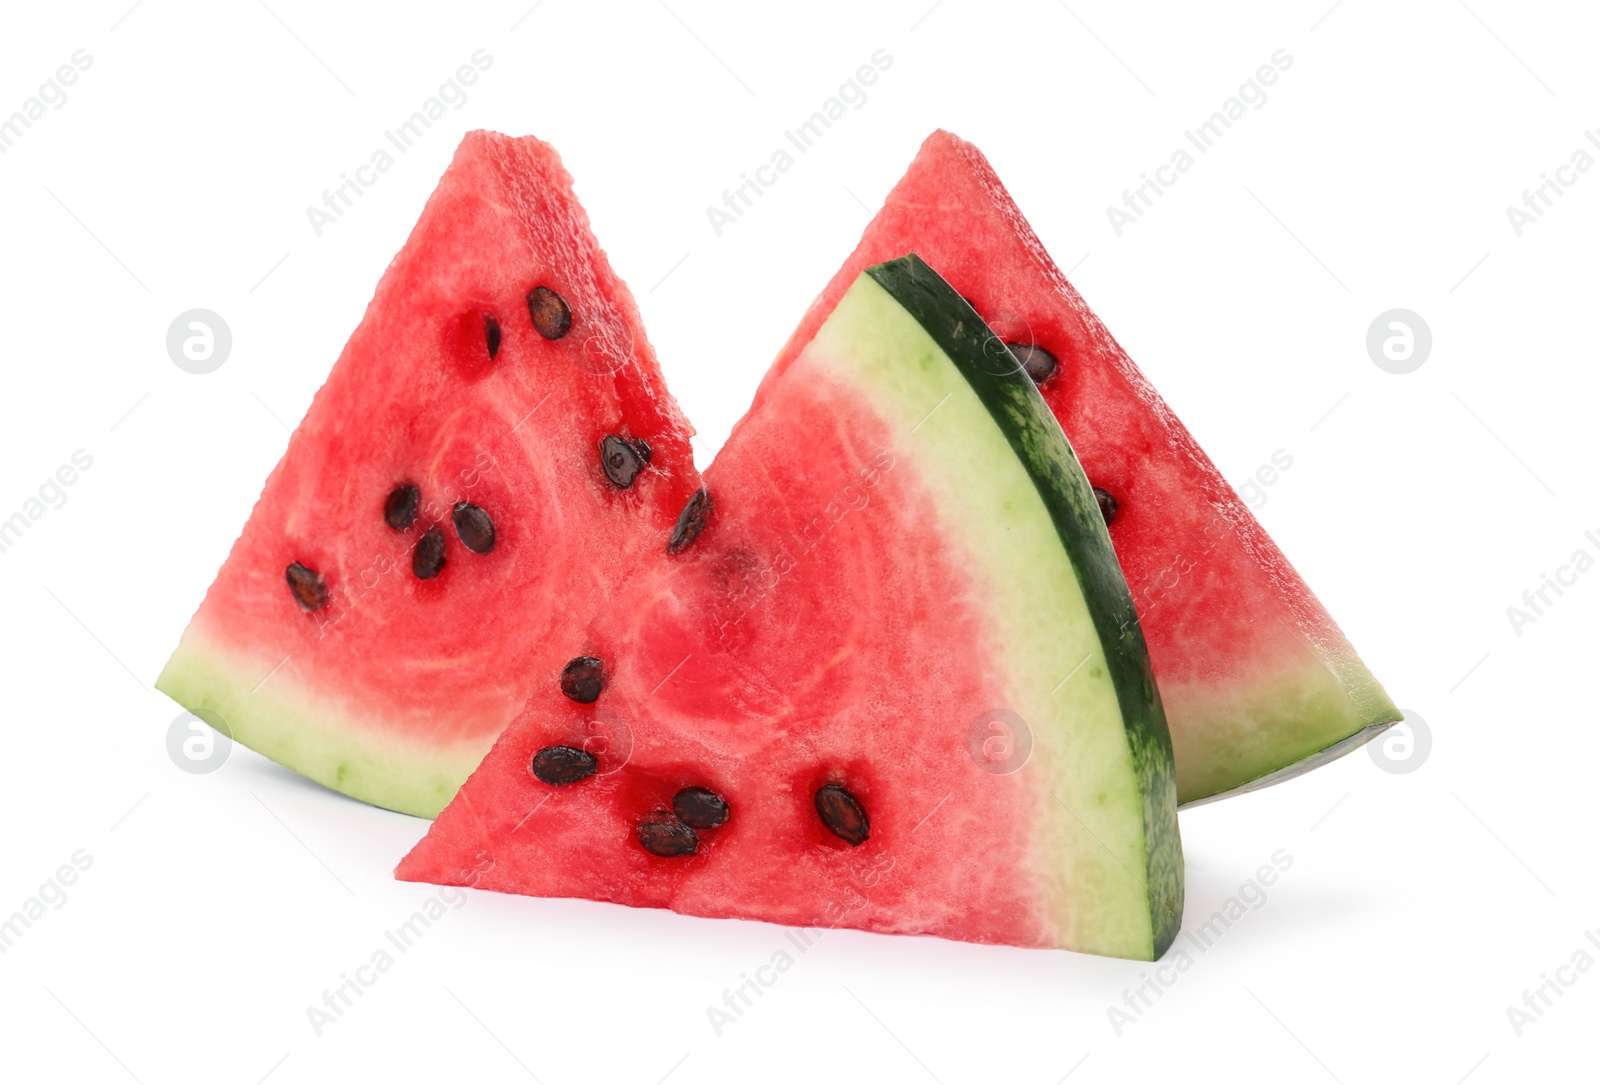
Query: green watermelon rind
(1315,758)
(327,743)
(1036,437)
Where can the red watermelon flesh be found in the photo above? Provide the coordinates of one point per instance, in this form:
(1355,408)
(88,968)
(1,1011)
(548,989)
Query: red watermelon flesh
(1258,682)
(498,353)
(876,603)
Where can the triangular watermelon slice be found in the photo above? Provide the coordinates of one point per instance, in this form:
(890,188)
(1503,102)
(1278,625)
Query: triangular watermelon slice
(493,450)
(1258,682)
(892,679)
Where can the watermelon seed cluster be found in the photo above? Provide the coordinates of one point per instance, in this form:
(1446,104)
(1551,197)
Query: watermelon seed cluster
(665,833)
(660,832)
(671,834)
(623,459)
(695,809)
(430,554)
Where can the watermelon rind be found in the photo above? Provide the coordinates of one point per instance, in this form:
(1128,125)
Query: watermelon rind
(1019,412)
(330,743)
(1326,755)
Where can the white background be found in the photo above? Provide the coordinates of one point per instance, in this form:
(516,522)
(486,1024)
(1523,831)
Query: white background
(1377,175)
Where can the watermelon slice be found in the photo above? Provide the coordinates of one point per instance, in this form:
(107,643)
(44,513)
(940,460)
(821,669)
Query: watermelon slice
(493,450)
(1258,682)
(891,680)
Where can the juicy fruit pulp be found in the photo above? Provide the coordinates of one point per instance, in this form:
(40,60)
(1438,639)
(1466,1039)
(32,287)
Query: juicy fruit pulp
(443,516)
(833,631)
(1257,680)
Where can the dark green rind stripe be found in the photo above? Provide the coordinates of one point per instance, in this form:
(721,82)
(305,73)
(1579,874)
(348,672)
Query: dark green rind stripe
(1034,434)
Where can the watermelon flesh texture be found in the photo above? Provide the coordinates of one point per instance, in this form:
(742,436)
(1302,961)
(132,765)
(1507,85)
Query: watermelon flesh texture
(1258,682)
(879,600)
(394,688)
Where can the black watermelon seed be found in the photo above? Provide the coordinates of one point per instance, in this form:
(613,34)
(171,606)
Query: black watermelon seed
(563,765)
(581,679)
(491,335)
(400,507)
(1039,363)
(551,317)
(664,835)
(474,527)
(307,586)
(428,556)
(622,459)
(1108,505)
(842,814)
(700,807)
(691,521)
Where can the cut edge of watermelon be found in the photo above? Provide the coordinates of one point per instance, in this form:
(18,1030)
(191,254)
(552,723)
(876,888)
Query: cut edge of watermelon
(236,696)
